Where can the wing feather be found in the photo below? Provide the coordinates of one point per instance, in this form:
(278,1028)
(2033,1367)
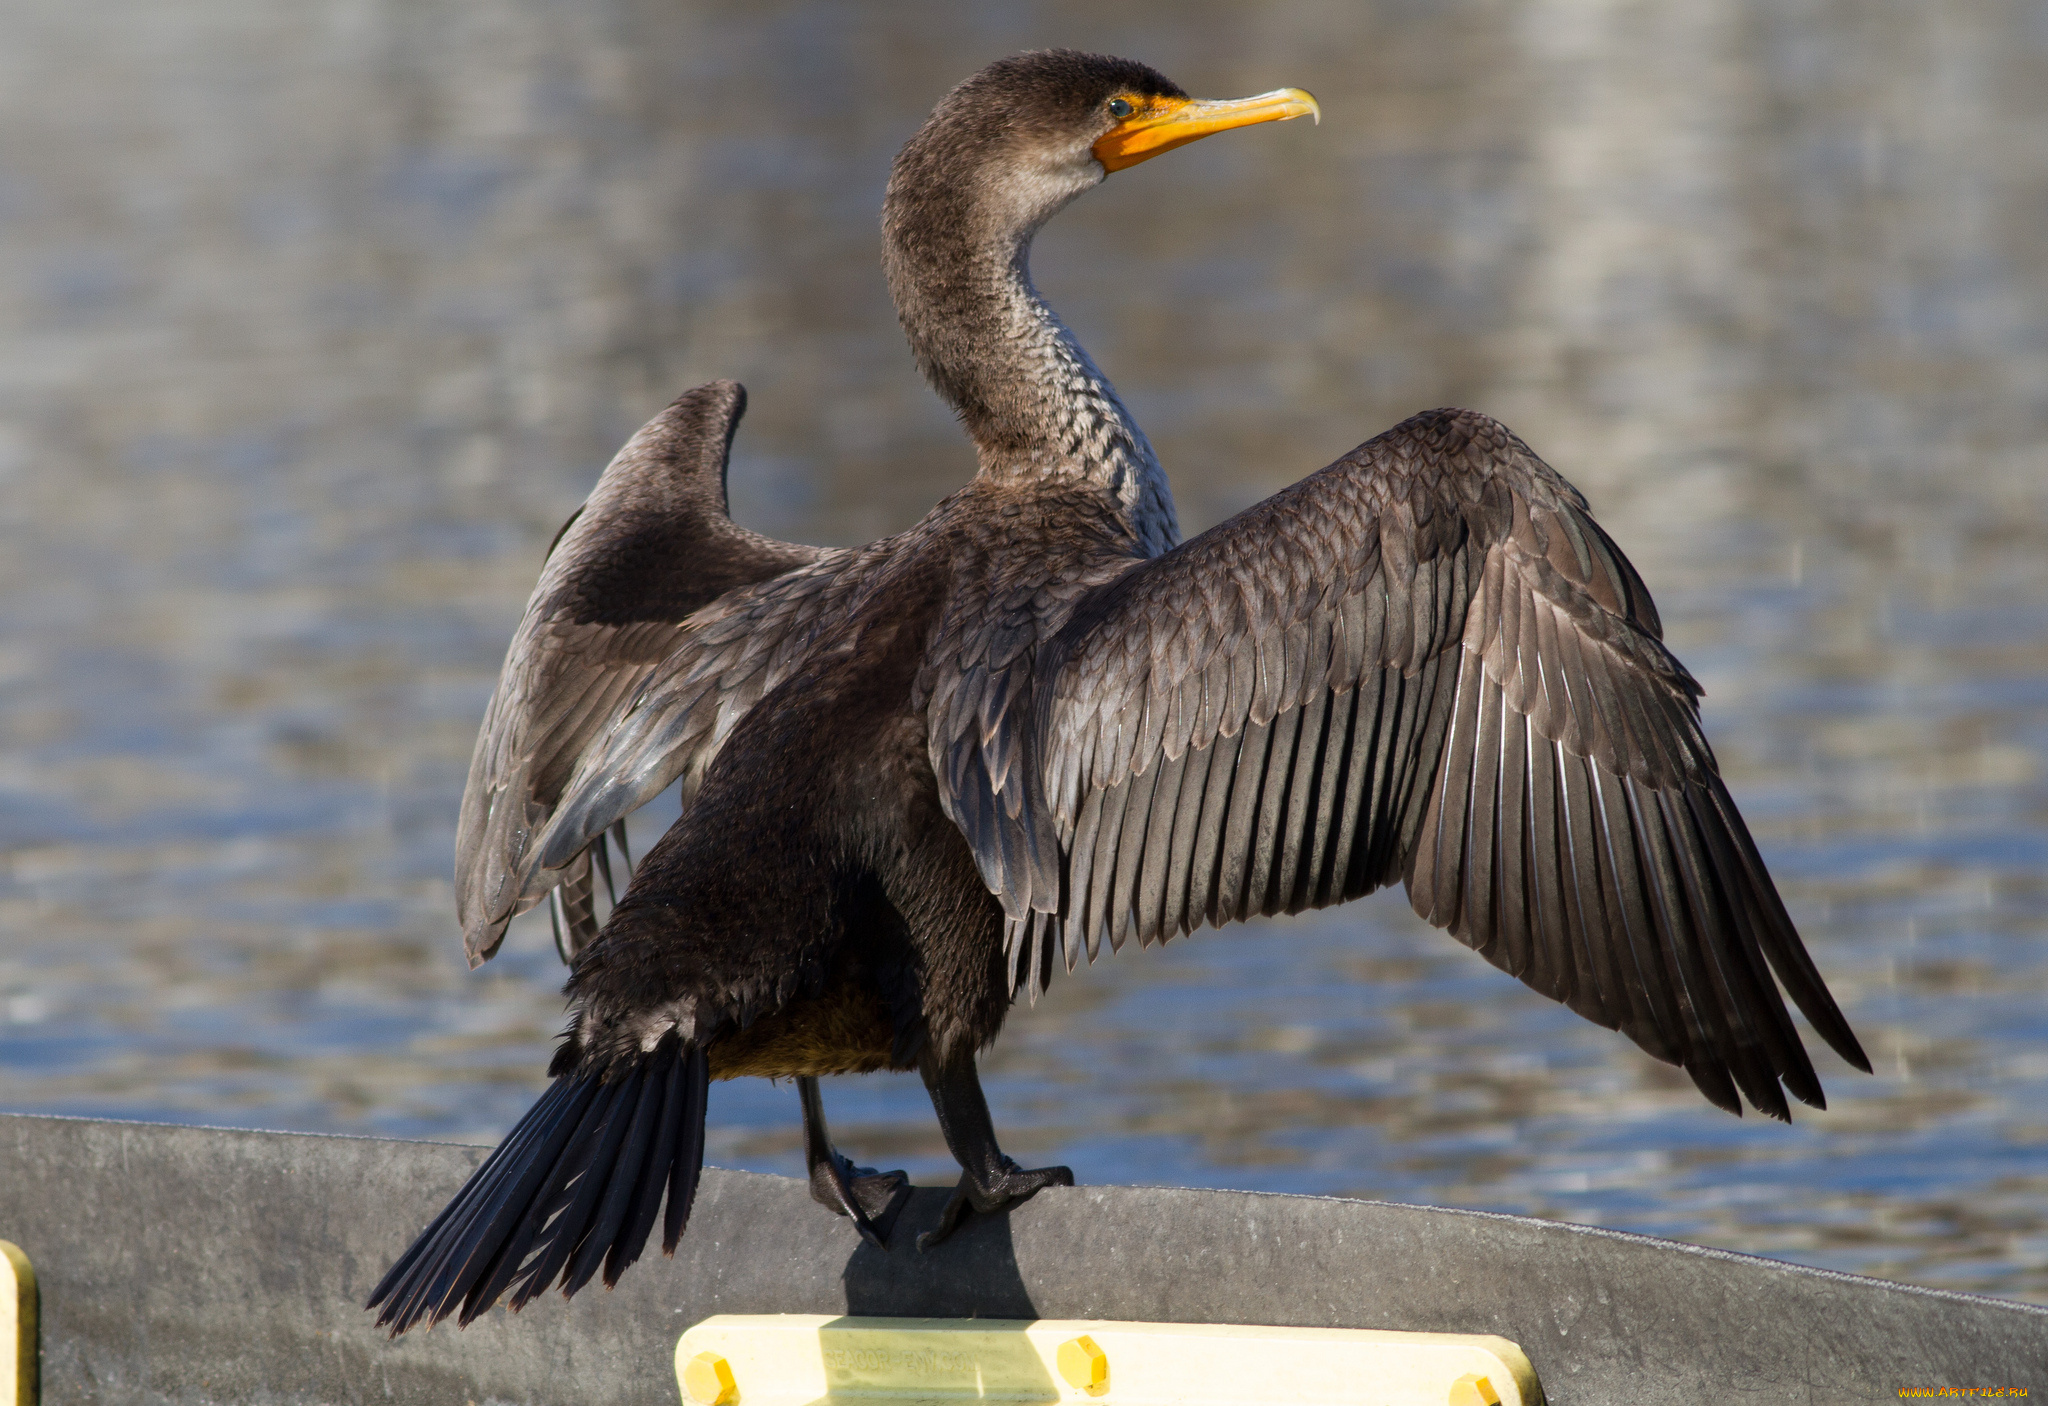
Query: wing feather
(1210,826)
(1266,841)
(1109,919)
(1233,894)
(1156,864)
(1354,798)
(1080,879)
(1513,951)
(1327,809)
(1302,819)
(1130,853)
(612,614)
(1427,662)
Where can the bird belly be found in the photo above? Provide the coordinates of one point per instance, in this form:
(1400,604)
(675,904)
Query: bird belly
(845,1031)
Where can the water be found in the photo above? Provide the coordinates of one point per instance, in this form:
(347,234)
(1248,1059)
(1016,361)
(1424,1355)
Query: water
(318,321)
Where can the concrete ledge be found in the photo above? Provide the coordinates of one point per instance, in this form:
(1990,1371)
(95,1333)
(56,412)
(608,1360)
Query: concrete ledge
(202,1265)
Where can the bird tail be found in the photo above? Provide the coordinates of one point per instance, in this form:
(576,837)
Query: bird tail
(573,1187)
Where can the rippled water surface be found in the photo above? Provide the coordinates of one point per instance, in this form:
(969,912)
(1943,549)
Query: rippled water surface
(315,321)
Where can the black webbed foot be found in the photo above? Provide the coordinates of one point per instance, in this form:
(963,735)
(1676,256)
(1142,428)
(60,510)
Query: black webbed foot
(989,1181)
(1009,1186)
(870,1199)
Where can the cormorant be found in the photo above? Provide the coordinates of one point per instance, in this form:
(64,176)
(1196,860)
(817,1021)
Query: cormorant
(919,774)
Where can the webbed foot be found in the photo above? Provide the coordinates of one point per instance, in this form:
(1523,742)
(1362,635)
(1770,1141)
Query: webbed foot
(870,1199)
(1010,1185)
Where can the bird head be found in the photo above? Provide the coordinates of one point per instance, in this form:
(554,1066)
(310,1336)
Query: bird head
(1009,147)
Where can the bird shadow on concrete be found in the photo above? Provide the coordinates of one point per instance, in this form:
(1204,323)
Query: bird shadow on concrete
(971,1274)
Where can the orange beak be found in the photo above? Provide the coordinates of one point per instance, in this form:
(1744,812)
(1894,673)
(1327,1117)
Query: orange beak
(1165,123)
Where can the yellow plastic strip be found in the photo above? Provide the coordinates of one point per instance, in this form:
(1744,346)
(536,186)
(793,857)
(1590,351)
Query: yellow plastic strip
(812,1360)
(20,1362)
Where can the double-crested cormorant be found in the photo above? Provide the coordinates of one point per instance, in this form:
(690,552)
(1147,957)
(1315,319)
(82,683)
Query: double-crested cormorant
(920,773)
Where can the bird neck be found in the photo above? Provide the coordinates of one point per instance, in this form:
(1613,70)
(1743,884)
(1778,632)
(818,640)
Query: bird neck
(1037,408)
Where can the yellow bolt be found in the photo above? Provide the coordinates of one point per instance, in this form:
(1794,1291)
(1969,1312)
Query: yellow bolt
(708,1379)
(1473,1390)
(1084,1365)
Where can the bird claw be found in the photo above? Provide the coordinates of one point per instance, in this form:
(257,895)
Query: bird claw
(870,1199)
(1007,1188)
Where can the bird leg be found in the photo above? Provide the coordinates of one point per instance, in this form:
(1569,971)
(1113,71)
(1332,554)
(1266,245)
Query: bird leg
(870,1199)
(989,1181)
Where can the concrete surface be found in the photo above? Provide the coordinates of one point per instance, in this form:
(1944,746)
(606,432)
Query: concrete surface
(190,1265)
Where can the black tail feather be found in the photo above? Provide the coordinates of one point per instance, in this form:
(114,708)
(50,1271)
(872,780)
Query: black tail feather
(619,1194)
(652,1183)
(533,1218)
(409,1289)
(529,1259)
(574,1186)
(593,1173)
(689,1159)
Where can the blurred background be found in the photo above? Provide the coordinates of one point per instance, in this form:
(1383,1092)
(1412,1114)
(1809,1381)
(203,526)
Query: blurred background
(317,318)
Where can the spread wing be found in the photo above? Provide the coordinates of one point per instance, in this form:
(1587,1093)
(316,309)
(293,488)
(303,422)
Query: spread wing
(1424,662)
(729,655)
(650,549)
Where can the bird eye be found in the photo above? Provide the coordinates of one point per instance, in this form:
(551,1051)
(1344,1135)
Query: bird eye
(1119,108)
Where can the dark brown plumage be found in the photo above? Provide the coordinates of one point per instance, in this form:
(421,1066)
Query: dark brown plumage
(921,773)
(650,548)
